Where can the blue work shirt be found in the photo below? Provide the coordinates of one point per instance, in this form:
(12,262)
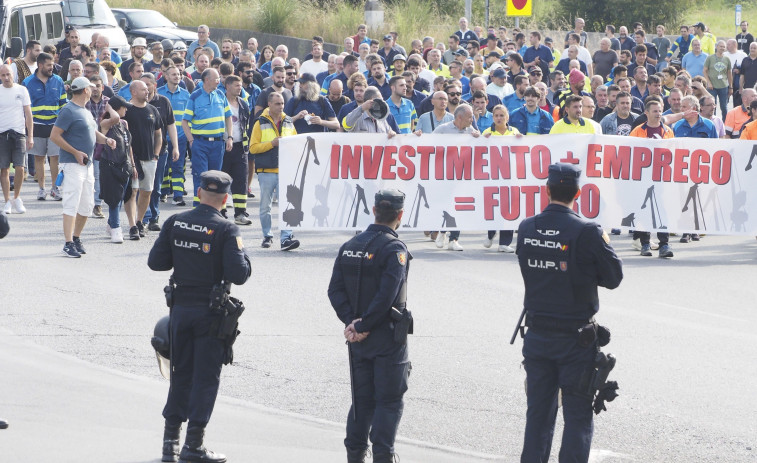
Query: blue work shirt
(703,128)
(207,113)
(47,99)
(512,102)
(178,100)
(485,121)
(321,108)
(125,92)
(405,114)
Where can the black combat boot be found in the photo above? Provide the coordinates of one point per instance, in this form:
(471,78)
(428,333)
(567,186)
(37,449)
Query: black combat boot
(193,450)
(171,435)
(356,456)
(386,458)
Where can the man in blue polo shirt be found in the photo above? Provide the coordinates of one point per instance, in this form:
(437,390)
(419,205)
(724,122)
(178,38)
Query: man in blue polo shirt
(178,97)
(693,61)
(401,108)
(210,115)
(538,55)
(693,125)
(517,100)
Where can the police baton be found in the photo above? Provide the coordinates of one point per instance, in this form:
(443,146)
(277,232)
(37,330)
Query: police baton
(518,326)
(352,382)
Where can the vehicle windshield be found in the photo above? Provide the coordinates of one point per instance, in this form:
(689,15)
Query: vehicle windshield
(147,18)
(84,13)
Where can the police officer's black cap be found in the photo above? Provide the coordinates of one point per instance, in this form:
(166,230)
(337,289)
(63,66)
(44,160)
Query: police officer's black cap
(395,197)
(215,181)
(563,174)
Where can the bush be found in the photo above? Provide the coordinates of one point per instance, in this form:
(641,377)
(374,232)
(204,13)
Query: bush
(598,13)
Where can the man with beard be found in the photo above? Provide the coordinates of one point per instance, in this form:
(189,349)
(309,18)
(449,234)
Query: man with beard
(48,95)
(316,64)
(227,54)
(290,82)
(278,75)
(21,68)
(138,50)
(247,57)
(201,64)
(621,120)
(153,66)
(235,162)
(378,79)
(357,85)
(245,72)
(310,111)
(169,132)
(411,93)
(178,97)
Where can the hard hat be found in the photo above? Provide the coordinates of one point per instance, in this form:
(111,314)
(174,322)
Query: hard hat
(162,345)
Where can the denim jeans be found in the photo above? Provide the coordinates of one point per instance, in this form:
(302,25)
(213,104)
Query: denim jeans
(268,183)
(114,213)
(96,166)
(721,97)
(153,211)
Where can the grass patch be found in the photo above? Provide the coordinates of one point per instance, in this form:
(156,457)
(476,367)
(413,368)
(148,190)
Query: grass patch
(337,19)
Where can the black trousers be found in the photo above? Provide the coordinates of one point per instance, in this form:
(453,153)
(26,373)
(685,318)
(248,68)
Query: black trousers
(505,236)
(235,164)
(380,384)
(196,361)
(644,237)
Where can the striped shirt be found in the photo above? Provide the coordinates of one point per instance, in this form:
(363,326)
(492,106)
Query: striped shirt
(207,112)
(405,114)
(178,101)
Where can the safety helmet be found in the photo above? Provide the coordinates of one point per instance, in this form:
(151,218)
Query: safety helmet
(162,345)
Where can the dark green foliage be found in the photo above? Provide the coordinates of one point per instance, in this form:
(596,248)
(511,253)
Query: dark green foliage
(599,13)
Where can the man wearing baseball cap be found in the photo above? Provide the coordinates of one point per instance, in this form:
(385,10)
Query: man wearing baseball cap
(75,132)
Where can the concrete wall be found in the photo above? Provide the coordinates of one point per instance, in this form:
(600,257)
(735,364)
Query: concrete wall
(297,47)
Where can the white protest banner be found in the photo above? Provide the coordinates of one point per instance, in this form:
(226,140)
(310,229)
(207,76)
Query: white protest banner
(458,182)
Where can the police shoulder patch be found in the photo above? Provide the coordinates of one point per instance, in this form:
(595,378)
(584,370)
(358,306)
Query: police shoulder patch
(605,237)
(240,244)
(402,258)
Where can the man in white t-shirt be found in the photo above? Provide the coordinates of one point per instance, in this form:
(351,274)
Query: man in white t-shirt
(316,65)
(28,63)
(16,137)
(734,53)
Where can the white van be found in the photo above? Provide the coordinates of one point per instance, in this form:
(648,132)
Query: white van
(44,21)
(24,20)
(90,16)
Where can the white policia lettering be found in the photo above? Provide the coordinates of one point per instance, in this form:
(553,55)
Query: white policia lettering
(543,244)
(191,226)
(358,254)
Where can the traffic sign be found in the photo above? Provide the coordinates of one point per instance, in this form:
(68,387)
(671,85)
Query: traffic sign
(738,15)
(519,7)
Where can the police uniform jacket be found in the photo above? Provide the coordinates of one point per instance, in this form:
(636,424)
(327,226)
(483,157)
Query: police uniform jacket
(369,275)
(563,258)
(202,248)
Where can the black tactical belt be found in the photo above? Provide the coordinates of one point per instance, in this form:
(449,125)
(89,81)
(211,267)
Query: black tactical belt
(557,325)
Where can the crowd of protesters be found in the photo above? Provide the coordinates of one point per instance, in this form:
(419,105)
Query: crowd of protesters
(120,133)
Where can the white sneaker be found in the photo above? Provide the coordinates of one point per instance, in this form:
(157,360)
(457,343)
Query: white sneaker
(654,245)
(441,240)
(454,246)
(18,206)
(636,244)
(116,235)
(488,242)
(41,194)
(505,248)
(7,208)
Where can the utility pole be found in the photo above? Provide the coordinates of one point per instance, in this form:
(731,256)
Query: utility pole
(469,10)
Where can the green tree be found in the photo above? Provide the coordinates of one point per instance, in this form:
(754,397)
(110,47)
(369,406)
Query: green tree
(598,13)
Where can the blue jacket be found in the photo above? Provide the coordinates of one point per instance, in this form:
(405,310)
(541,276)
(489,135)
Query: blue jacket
(519,120)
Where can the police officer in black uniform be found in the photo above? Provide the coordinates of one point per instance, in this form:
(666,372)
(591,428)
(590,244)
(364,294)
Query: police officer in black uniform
(368,293)
(563,258)
(202,249)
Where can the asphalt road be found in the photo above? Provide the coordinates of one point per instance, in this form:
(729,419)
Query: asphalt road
(682,330)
